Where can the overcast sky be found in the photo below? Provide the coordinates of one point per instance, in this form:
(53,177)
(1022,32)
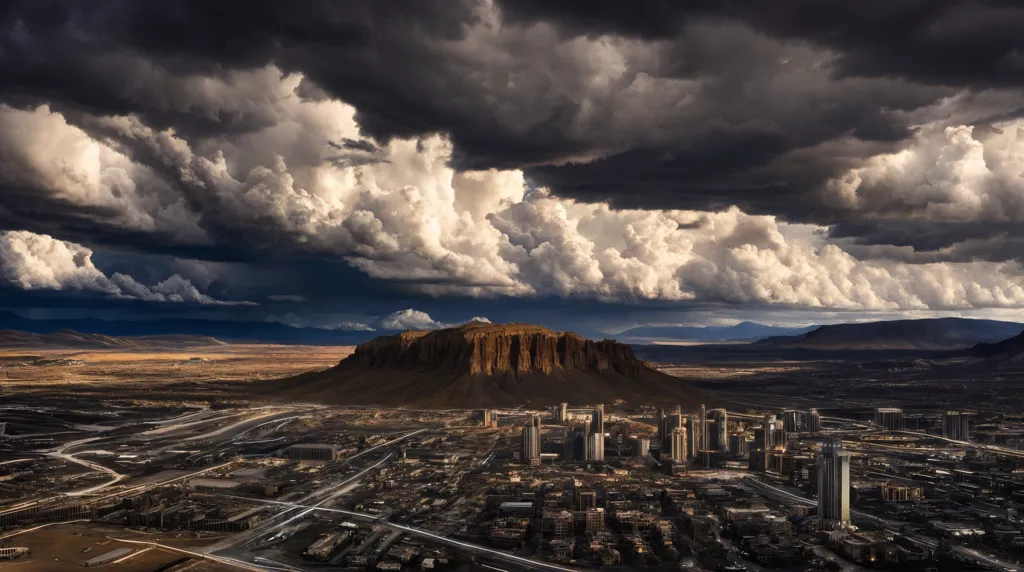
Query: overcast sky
(595,164)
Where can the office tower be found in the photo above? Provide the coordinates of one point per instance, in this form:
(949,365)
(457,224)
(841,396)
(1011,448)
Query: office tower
(531,441)
(781,438)
(578,445)
(719,440)
(889,417)
(834,484)
(702,421)
(956,425)
(595,447)
(639,446)
(660,419)
(669,424)
(677,450)
(692,435)
(738,445)
(790,421)
(769,439)
(596,439)
(812,421)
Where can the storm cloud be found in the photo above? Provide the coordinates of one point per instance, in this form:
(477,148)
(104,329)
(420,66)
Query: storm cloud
(860,156)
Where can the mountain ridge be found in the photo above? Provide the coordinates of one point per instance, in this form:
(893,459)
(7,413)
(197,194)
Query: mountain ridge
(744,331)
(917,334)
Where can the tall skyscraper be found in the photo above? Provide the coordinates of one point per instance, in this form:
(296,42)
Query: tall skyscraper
(790,421)
(769,440)
(719,440)
(812,421)
(956,425)
(595,440)
(702,421)
(669,424)
(834,484)
(595,446)
(532,441)
(677,449)
(692,435)
(889,417)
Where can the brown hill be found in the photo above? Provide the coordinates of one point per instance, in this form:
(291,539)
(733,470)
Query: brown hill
(483,365)
(1010,351)
(70,339)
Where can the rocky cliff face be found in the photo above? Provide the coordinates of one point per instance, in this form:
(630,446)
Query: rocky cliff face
(491,349)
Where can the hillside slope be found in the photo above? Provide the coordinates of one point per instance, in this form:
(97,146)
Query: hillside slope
(924,334)
(488,365)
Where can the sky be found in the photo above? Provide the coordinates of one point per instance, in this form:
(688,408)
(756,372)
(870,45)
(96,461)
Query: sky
(593,165)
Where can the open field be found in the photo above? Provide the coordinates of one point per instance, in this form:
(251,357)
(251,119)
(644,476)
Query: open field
(60,547)
(38,370)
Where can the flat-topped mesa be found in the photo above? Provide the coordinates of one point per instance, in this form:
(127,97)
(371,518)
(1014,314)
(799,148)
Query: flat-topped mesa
(491,349)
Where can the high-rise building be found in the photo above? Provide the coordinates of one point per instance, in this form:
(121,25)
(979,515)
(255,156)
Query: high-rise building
(677,447)
(738,445)
(956,425)
(769,439)
(692,435)
(889,418)
(660,419)
(833,468)
(790,421)
(719,439)
(702,421)
(595,446)
(532,441)
(669,424)
(586,500)
(595,441)
(639,446)
(812,421)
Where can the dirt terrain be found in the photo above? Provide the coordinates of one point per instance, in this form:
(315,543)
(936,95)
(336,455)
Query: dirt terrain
(31,370)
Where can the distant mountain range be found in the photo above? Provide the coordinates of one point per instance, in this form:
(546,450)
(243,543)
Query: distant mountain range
(225,330)
(70,339)
(744,331)
(924,334)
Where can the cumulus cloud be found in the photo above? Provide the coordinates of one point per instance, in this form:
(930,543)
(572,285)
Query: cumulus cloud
(410,216)
(947,174)
(32,261)
(409,319)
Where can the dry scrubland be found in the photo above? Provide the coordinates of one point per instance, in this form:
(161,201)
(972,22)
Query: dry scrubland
(39,369)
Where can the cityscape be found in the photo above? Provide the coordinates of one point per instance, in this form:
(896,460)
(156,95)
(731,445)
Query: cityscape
(511,285)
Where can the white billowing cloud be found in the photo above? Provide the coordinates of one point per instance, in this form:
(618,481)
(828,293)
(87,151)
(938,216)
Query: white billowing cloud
(409,319)
(40,262)
(947,174)
(405,214)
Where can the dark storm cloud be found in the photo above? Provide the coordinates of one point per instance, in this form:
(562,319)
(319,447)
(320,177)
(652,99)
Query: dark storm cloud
(646,105)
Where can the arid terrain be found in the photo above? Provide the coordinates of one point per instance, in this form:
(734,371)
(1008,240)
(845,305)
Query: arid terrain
(48,370)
